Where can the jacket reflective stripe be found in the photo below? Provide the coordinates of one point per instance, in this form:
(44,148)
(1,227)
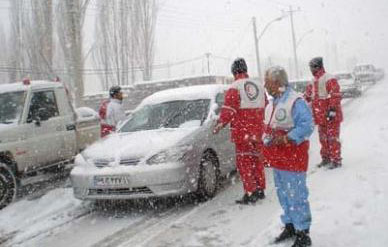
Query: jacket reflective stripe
(229,108)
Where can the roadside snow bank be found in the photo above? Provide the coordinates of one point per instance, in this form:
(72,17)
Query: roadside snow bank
(27,219)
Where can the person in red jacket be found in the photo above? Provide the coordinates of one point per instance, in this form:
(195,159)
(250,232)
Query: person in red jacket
(325,97)
(244,109)
(105,128)
(111,111)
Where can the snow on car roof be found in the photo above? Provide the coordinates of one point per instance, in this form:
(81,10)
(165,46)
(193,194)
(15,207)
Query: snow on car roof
(184,93)
(341,72)
(19,86)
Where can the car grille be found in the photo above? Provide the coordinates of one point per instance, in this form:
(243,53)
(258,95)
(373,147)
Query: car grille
(101,163)
(120,191)
(125,162)
(129,162)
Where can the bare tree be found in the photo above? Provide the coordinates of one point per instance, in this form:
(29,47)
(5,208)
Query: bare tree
(71,15)
(146,13)
(125,40)
(38,43)
(16,61)
(4,75)
(31,39)
(114,42)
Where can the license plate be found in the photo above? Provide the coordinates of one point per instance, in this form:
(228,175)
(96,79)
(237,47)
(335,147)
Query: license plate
(111,180)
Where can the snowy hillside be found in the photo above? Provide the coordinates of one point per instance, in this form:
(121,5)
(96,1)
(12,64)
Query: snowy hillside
(349,205)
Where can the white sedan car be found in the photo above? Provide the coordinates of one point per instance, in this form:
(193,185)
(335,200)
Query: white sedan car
(165,148)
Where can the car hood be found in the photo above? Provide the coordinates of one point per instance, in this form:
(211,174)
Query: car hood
(136,145)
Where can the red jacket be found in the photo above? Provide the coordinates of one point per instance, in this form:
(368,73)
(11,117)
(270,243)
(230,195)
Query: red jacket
(246,124)
(106,129)
(324,95)
(279,121)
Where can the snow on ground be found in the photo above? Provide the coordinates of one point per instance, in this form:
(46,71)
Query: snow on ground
(349,205)
(27,218)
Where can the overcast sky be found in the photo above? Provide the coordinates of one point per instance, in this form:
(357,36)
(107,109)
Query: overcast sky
(355,28)
(342,31)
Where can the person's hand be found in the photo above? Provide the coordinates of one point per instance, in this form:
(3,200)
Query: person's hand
(267,140)
(331,114)
(251,138)
(217,128)
(280,140)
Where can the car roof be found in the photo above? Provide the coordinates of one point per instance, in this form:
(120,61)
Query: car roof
(34,85)
(185,93)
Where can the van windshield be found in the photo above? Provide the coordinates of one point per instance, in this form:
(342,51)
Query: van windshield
(11,107)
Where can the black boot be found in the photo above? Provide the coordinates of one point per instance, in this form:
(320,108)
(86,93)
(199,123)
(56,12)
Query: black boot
(302,239)
(334,165)
(257,195)
(287,233)
(323,163)
(244,200)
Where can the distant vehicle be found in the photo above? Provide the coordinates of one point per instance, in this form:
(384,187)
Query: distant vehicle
(365,73)
(348,85)
(39,129)
(299,85)
(380,74)
(165,148)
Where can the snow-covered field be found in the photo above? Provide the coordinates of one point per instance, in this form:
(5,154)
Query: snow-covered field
(349,205)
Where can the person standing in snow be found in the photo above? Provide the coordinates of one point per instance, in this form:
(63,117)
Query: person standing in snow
(288,125)
(325,97)
(114,111)
(244,109)
(105,128)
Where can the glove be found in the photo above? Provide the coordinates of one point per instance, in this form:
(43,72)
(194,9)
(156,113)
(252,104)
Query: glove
(280,140)
(267,140)
(251,138)
(331,114)
(217,128)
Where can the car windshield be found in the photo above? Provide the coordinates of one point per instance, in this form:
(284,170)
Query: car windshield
(363,68)
(11,107)
(173,114)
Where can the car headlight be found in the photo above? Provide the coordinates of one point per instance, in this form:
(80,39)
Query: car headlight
(81,160)
(169,155)
(87,157)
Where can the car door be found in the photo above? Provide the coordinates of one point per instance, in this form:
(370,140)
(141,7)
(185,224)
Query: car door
(47,127)
(223,140)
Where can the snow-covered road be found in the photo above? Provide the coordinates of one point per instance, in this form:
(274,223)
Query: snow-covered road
(349,205)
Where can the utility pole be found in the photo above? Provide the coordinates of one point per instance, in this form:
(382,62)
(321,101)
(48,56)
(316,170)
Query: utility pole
(208,62)
(257,39)
(291,12)
(168,69)
(256,48)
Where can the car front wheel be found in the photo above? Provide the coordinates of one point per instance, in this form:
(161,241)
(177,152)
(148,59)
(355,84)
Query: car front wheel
(8,186)
(208,176)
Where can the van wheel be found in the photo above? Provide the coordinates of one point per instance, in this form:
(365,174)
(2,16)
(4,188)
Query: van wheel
(8,185)
(208,176)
